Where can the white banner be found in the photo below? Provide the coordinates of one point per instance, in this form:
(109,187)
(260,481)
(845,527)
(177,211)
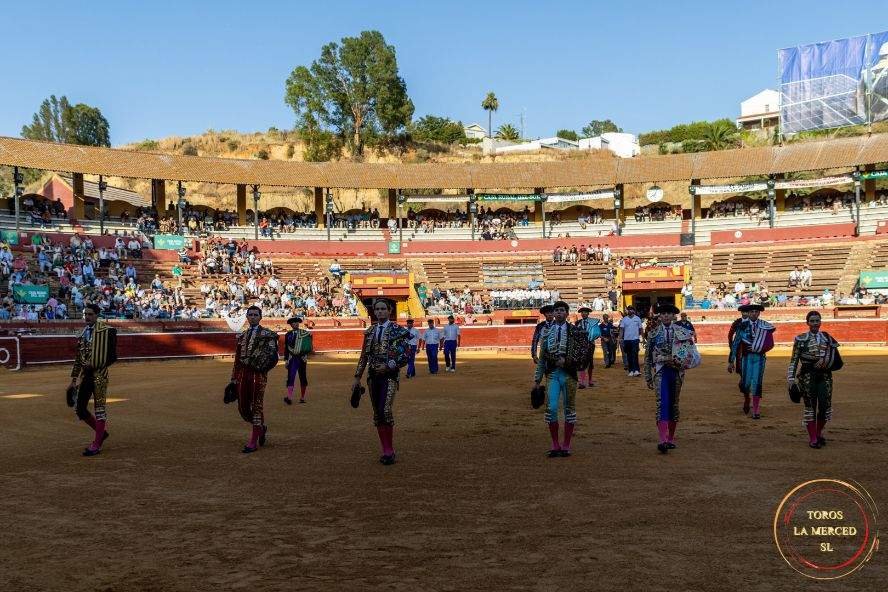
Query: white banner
(737,188)
(763,186)
(235,322)
(565,197)
(437,198)
(824,182)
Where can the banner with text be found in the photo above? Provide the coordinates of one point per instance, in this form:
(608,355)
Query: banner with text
(28,294)
(169,242)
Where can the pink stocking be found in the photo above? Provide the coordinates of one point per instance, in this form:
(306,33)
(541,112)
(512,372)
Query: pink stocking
(582,377)
(254,436)
(821,423)
(553,431)
(812,431)
(568,434)
(756,402)
(100,435)
(663,428)
(389,437)
(303,390)
(289,392)
(671,432)
(383,438)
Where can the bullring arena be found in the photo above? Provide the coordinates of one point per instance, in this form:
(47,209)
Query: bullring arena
(473,502)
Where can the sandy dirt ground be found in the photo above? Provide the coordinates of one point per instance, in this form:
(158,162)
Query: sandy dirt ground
(472,503)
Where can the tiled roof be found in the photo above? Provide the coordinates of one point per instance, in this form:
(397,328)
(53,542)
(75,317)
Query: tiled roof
(574,172)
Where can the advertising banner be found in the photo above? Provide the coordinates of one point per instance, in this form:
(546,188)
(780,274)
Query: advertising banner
(9,237)
(28,294)
(874,279)
(169,242)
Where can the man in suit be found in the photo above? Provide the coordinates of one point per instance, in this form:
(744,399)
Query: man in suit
(96,352)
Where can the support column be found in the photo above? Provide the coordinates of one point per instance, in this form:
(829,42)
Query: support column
(241,202)
(696,209)
(392,203)
(78,211)
(539,210)
(620,211)
(158,190)
(869,185)
(780,199)
(319,206)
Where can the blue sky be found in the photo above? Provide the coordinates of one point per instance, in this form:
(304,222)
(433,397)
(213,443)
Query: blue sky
(178,68)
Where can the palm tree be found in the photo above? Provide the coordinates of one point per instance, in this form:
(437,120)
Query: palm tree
(507,131)
(720,135)
(490,104)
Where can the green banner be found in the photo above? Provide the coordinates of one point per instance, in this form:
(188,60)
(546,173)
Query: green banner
(508,197)
(9,236)
(169,242)
(874,175)
(874,279)
(394,247)
(27,294)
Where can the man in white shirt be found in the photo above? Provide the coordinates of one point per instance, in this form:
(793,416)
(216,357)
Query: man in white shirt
(739,287)
(598,304)
(451,342)
(412,344)
(629,335)
(431,339)
(794,277)
(805,278)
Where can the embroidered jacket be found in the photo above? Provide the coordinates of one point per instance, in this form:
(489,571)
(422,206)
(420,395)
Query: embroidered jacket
(755,337)
(257,349)
(390,349)
(810,348)
(96,346)
(297,342)
(670,346)
(537,333)
(562,341)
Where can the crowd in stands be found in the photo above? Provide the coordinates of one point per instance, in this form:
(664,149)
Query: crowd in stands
(520,298)
(731,207)
(278,298)
(465,301)
(657,213)
(221,256)
(41,212)
(567,255)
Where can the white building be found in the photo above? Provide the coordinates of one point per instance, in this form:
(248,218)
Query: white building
(474,130)
(622,144)
(495,146)
(761,111)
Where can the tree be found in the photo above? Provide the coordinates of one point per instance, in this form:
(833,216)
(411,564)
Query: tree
(490,104)
(87,126)
(596,127)
(58,121)
(437,129)
(353,90)
(720,135)
(48,123)
(507,131)
(567,134)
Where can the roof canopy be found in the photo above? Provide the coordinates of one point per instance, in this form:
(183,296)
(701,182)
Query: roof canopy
(588,172)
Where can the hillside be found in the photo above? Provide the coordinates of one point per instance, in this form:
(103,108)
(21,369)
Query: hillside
(281,145)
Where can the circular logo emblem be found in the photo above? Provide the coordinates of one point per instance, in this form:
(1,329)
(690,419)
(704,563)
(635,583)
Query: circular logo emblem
(826,529)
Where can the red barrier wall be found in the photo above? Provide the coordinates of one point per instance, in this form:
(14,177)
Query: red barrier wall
(57,348)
